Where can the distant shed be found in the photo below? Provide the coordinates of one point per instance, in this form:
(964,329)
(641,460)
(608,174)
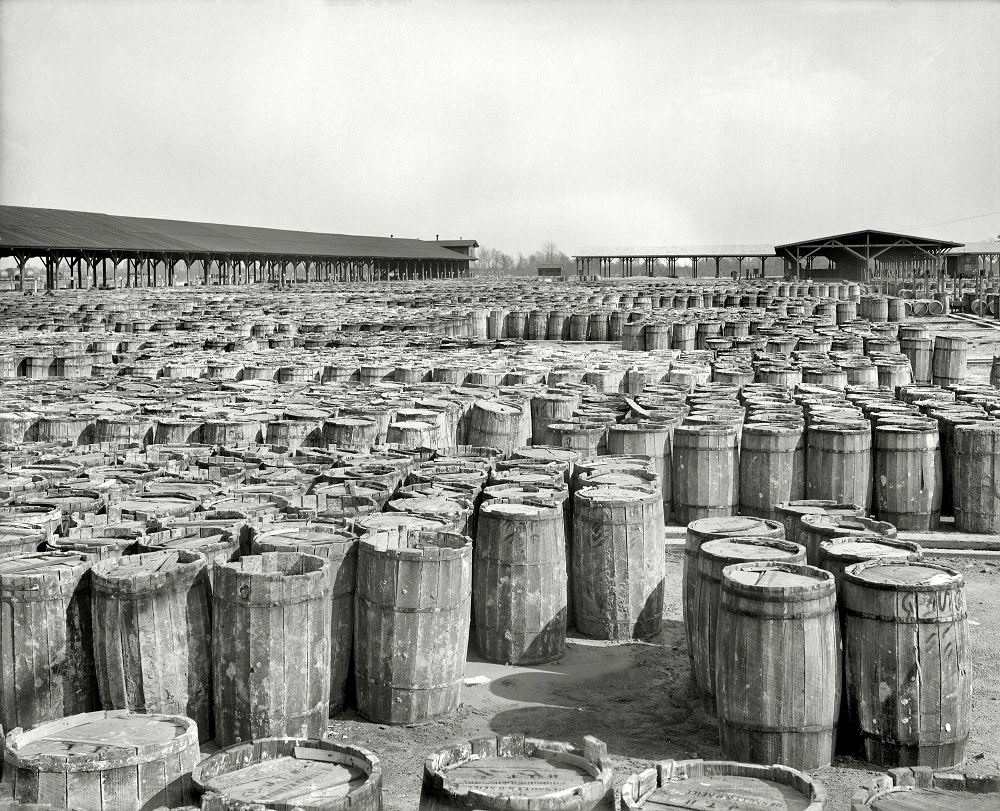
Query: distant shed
(551,271)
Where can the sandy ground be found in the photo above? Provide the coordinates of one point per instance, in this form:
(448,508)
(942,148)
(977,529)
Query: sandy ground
(636,698)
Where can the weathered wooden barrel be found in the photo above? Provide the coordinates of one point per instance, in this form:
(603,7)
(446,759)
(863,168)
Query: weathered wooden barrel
(152,635)
(20,540)
(500,424)
(290,773)
(341,553)
(411,625)
(908,476)
(778,664)
(351,433)
(517,773)
(520,583)
(722,784)
(271,646)
(650,439)
(951,356)
(907,669)
(456,511)
(586,438)
(836,554)
(976,482)
(704,596)
(705,472)
(104,761)
(772,467)
(618,563)
(414,434)
(175,431)
(920,789)
(46,641)
(790,513)
(815,528)
(839,463)
(293,434)
(547,408)
(707,529)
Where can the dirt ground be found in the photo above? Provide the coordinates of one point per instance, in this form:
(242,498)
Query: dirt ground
(636,698)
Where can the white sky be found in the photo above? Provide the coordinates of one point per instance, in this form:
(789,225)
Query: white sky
(586,123)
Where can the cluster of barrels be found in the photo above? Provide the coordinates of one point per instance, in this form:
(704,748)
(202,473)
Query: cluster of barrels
(835,631)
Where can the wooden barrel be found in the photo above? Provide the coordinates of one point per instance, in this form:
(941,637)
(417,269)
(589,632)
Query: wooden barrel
(704,597)
(46,642)
(721,784)
(517,773)
(839,463)
(586,438)
(152,635)
(414,434)
(618,563)
(520,583)
(772,467)
(341,553)
(705,472)
(790,513)
(920,352)
(351,433)
(707,529)
(908,475)
(503,424)
(650,439)
(920,789)
(836,554)
(547,408)
(907,669)
(104,761)
(411,624)
(778,664)
(290,773)
(18,540)
(271,646)
(976,483)
(819,527)
(951,356)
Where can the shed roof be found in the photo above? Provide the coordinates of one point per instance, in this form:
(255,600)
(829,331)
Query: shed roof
(73,231)
(675,251)
(991,247)
(872,237)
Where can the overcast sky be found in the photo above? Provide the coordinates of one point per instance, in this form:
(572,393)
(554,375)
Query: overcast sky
(586,123)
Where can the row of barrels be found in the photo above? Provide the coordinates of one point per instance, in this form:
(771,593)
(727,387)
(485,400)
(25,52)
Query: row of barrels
(152,761)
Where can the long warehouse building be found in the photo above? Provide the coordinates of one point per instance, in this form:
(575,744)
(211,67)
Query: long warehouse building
(86,249)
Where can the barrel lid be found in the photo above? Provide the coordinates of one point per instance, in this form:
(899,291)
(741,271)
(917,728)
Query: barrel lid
(818,506)
(847,524)
(613,492)
(514,777)
(904,573)
(514,508)
(388,520)
(769,575)
(727,792)
(306,777)
(130,567)
(734,525)
(923,799)
(747,549)
(867,547)
(51,564)
(110,735)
